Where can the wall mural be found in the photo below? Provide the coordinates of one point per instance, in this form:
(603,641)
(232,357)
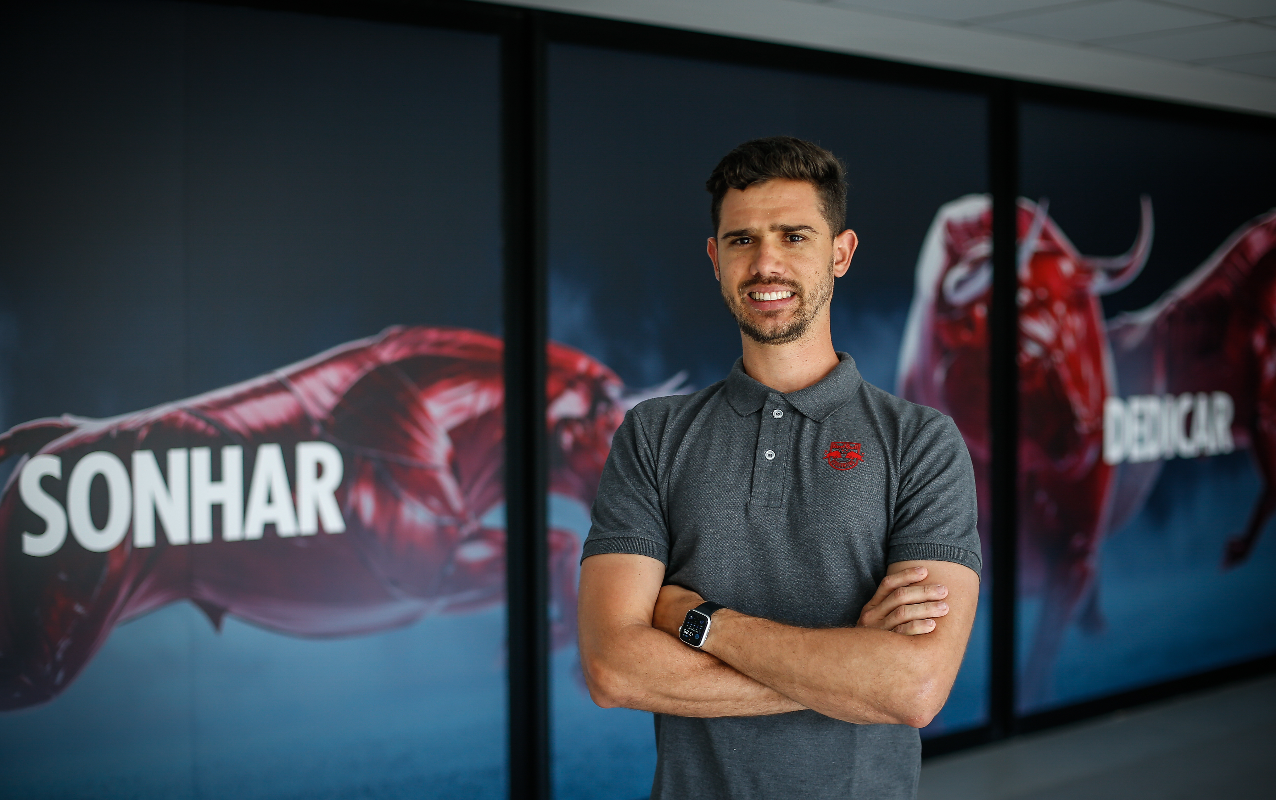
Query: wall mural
(282,586)
(347,494)
(374,466)
(356,491)
(1103,403)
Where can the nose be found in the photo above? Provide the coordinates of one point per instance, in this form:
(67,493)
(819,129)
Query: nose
(768,261)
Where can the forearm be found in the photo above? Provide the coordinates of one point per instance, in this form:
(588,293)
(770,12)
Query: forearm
(649,670)
(860,675)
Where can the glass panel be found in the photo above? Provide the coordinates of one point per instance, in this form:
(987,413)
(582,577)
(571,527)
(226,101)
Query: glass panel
(238,207)
(632,140)
(1145,405)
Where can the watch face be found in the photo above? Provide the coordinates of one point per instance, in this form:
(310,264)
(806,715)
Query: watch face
(693,628)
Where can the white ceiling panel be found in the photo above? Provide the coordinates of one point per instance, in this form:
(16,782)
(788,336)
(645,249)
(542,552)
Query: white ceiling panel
(1200,65)
(1104,20)
(1264,65)
(1196,44)
(950,10)
(1246,9)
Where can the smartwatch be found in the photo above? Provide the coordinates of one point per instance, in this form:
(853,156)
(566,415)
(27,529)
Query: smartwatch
(695,628)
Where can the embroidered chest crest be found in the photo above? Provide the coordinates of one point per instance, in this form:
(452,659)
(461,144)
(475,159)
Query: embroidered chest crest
(844,455)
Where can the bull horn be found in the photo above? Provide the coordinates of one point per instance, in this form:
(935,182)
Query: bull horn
(970,277)
(1028,245)
(1112,274)
(675,385)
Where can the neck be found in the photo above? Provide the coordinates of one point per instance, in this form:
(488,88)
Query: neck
(793,366)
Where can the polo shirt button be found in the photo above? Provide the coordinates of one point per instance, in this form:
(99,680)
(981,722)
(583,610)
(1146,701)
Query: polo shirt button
(777,413)
(770,454)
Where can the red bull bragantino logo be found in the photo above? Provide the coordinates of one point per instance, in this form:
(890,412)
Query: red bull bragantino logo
(843,455)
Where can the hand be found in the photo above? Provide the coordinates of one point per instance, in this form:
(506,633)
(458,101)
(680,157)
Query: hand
(672,606)
(902,605)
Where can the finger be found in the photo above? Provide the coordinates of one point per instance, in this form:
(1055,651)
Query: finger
(908,595)
(916,627)
(895,580)
(915,593)
(915,611)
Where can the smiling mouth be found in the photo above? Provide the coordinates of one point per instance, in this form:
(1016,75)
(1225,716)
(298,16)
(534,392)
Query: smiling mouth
(764,296)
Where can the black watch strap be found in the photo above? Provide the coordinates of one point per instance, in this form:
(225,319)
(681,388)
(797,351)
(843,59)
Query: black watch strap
(708,607)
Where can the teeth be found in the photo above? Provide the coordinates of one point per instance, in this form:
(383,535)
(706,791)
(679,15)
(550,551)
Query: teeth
(770,295)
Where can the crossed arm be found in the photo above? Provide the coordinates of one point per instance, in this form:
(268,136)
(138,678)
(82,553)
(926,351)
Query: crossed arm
(752,666)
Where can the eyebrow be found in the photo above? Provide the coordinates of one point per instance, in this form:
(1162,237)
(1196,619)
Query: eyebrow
(776,227)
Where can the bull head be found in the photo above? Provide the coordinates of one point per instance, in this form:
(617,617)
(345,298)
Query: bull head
(1065,370)
(943,359)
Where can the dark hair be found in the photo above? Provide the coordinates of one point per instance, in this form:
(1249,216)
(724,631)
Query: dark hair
(782,157)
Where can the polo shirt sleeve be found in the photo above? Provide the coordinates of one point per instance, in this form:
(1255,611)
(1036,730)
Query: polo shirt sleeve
(936,510)
(627,516)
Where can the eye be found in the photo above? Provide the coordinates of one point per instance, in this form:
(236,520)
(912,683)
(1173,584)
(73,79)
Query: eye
(794,237)
(742,240)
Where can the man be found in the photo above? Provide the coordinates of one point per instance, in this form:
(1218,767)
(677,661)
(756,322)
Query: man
(830,525)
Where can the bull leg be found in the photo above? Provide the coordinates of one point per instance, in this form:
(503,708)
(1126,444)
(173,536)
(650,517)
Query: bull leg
(1066,585)
(564,553)
(1239,547)
(1264,447)
(1091,617)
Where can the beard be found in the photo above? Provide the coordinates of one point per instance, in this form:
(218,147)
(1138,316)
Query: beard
(808,308)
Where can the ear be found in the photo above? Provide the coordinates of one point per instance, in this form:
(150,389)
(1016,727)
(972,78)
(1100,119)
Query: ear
(844,245)
(713,256)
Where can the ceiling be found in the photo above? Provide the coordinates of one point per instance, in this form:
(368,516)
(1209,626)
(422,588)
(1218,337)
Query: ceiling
(1207,52)
(1233,35)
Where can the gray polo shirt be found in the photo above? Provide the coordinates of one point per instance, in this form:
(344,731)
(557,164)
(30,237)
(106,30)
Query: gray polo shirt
(788,507)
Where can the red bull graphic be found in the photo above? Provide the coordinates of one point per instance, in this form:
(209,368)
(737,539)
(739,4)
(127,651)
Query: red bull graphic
(1204,356)
(1102,403)
(353,492)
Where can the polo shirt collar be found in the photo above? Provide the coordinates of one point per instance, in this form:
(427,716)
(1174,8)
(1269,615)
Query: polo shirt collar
(816,402)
